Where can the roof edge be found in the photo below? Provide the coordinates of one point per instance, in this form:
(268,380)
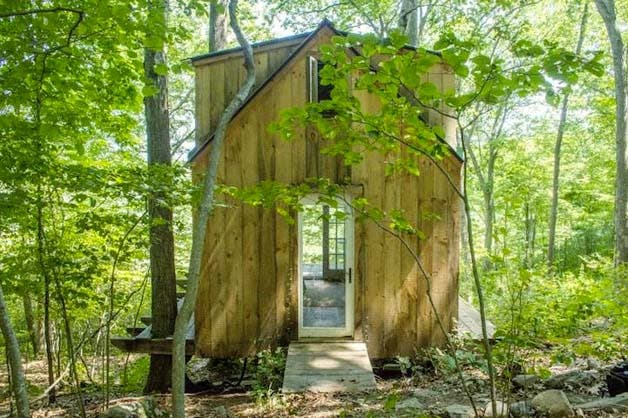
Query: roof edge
(325,23)
(307,36)
(254,45)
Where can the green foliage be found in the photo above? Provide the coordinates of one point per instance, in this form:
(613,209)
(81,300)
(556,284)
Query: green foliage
(134,376)
(581,312)
(391,402)
(269,368)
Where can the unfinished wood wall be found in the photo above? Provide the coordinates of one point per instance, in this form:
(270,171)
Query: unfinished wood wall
(248,292)
(217,80)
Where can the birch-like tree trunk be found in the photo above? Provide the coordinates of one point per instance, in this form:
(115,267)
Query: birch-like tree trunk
(557,150)
(163,277)
(18,382)
(203,213)
(487,179)
(217,35)
(606,8)
(409,20)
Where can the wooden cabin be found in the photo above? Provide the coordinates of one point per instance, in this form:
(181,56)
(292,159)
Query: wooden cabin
(264,281)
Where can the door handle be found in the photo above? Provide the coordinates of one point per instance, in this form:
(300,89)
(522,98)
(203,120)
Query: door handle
(350,274)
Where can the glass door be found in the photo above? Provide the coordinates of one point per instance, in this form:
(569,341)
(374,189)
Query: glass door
(326,270)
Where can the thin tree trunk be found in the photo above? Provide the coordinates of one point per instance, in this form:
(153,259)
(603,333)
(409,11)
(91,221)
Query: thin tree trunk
(163,277)
(31,323)
(409,20)
(18,382)
(52,395)
(478,283)
(557,151)
(606,8)
(204,211)
(487,180)
(70,343)
(424,15)
(217,37)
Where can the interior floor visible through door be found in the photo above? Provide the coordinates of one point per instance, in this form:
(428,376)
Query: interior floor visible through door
(323,303)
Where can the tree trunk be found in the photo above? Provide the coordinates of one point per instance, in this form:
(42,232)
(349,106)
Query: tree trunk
(204,211)
(163,279)
(31,323)
(606,8)
(557,151)
(409,20)
(52,394)
(217,38)
(487,181)
(69,341)
(18,382)
(423,15)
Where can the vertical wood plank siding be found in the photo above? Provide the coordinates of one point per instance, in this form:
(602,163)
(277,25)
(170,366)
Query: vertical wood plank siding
(248,290)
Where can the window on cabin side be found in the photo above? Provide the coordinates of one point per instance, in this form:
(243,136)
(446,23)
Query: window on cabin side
(318,92)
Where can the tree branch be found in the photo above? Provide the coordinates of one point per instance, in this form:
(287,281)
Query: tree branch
(39,11)
(204,212)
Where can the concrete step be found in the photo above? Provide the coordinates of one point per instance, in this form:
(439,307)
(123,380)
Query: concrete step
(328,367)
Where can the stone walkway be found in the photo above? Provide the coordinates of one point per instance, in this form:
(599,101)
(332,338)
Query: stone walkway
(328,367)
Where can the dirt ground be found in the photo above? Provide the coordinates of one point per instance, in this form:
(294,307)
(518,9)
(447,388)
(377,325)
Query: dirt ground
(432,391)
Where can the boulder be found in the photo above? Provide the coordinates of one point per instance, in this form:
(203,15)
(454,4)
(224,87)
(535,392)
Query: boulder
(121,411)
(424,393)
(501,410)
(222,412)
(573,379)
(459,411)
(593,364)
(618,403)
(553,403)
(144,408)
(198,370)
(525,381)
(521,409)
(409,403)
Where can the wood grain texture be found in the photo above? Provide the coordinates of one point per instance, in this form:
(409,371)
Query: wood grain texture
(248,288)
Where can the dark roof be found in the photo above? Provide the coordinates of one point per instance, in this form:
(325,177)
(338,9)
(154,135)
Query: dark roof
(299,36)
(305,38)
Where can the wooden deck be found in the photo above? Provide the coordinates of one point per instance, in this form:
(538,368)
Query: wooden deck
(140,340)
(342,366)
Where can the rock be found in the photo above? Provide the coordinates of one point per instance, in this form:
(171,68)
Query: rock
(222,412)
(617,379)
(391,367)
(554,403)
(459,411)
(501,409)
(120,411)
(409,403)
(198,370)
(573,379)
(525,381)
(618,403)
(425,393)
(145,408)
(593,364)
(521,409)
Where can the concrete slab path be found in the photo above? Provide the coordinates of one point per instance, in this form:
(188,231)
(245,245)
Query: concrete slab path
(328,367)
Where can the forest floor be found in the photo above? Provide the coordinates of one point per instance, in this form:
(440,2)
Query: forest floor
(396,396)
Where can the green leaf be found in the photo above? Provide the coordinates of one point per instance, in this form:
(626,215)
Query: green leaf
(150,90)
(161,69)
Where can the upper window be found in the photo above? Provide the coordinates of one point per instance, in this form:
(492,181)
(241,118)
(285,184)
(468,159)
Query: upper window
(318,92)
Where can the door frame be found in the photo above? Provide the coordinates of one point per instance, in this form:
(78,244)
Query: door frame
(329,332)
